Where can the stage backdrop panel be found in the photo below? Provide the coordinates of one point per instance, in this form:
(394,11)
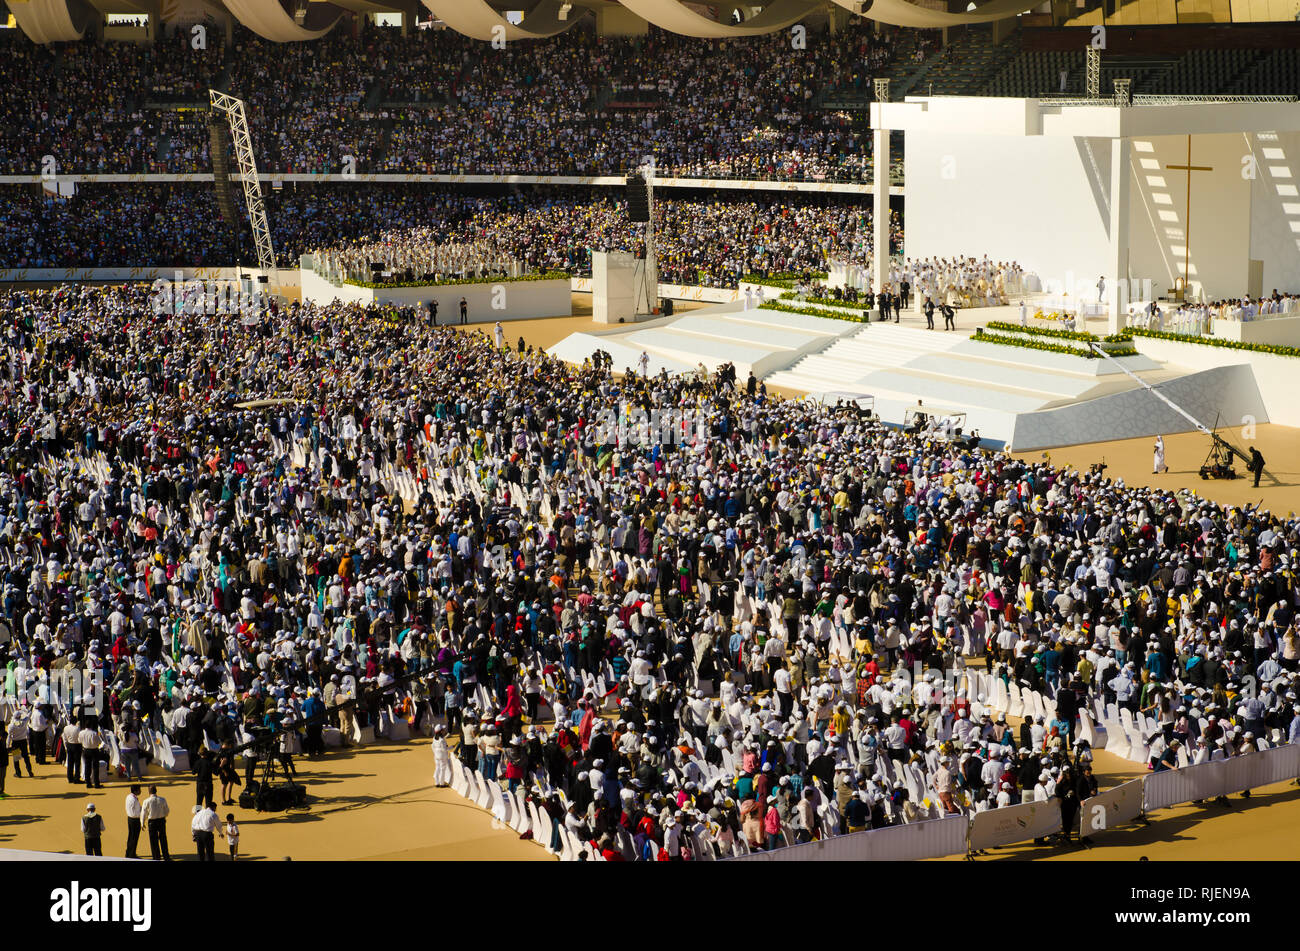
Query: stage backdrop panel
(1220,212)
(998,195)
(1275,210)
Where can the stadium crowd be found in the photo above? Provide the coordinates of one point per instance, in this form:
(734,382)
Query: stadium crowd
(437,102)
(707,242)
(346,516)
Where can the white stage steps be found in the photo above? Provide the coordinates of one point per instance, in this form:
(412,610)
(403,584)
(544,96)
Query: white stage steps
(1029,398)
(875,347)
(948,372)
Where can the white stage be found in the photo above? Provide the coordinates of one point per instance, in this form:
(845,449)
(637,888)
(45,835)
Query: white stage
(1015,397)
(761,341)
(1080,191)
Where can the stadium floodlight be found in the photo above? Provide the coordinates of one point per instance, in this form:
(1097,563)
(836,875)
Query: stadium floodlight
(564,11)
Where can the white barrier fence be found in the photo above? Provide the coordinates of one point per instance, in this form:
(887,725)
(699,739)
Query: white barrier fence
(1116,806)
(950,835)
(1006,826)
(1021,823)
(933,838)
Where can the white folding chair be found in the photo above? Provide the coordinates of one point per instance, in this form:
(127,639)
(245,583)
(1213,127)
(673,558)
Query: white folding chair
(520,819)
(500,805)
(1015,705)
(569,850)
(484,797)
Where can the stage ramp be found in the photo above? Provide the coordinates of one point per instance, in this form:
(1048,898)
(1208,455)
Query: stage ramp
(1226,394)
(758,341)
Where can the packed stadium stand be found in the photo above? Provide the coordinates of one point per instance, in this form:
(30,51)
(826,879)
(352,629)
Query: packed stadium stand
(366,98)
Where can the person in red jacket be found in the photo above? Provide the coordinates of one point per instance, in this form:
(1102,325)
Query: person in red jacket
(516,762)
(513,711)
(588,721)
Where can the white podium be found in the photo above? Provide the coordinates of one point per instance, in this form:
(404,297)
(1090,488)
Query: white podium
(613,287)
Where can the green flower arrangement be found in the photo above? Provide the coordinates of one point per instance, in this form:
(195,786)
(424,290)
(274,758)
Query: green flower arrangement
(1041,331)
(816,312)
(382,285)
(1274,349)
(1045,347)
(782,279)
(829,301)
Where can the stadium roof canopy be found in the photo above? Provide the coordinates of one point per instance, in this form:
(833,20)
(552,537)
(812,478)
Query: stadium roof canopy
(286,21)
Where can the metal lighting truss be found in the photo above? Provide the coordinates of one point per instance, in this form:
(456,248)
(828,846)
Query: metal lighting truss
(233,109)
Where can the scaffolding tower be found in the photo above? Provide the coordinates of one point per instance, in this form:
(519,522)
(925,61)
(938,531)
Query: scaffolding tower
(233,109)
(645,275)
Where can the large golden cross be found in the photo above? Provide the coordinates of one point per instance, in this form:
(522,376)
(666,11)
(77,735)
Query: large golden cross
(1187,218)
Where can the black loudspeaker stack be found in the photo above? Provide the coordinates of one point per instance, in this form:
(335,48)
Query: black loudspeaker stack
(219,149)
(638,199)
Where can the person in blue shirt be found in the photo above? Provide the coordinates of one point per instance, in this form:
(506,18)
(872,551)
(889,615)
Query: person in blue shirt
(1168,759)
(1157,666)
(313,711)
(734,645)
(1052,666)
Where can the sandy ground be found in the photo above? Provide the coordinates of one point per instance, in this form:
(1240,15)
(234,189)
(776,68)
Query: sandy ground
(1130,460)
(376,802)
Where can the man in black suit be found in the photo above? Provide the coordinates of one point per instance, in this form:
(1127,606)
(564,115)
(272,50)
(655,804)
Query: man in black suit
(929,313)
(882,304)
(905,292)
(464,310)
(433,312)
(1256,467)
(949,317)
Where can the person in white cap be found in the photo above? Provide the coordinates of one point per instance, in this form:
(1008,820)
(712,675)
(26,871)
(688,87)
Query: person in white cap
(93,828)
(441,757)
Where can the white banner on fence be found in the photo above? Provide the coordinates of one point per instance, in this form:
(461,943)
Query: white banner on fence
(1283,763)
(853,847)
(1029,820)
(1111,808)
(1260,769)
(931,839)
(1173,786)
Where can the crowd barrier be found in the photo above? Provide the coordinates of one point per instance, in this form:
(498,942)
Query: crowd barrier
(950,835)
(1117,806)
(933,838)
(1012,824)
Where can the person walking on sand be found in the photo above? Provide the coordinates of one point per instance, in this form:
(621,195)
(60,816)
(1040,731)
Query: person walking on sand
(1158,464)
(230,832)
(441,757)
